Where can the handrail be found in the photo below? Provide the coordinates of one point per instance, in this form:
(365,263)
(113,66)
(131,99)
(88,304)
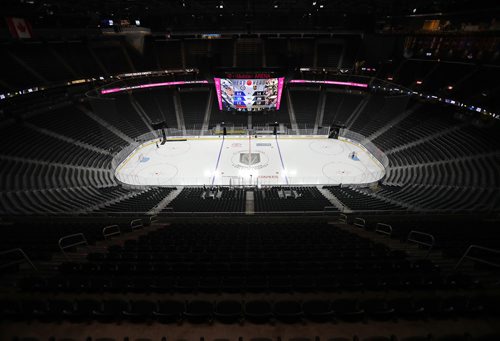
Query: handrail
(153,219)
(476,259)
(419,242)
(115,230)
(384,229)
(81,242)
(330,209)
(343,218)
(136,224)
(359,222)
(19,261)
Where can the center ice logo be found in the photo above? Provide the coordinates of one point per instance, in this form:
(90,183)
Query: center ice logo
(249,159)
(245,160)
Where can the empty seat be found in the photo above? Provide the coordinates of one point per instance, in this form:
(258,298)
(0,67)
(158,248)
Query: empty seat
(84,309)
(258,311)
(228,311)
(348,309)
(288,311)
(199,311)
(140,310)
(169,311)
(318,310)
(34,308)
(378,309)
(111,310)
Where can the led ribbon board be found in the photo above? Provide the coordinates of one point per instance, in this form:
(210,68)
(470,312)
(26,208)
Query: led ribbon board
(150,85)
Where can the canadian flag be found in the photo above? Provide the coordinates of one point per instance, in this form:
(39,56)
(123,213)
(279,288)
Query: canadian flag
(19,28)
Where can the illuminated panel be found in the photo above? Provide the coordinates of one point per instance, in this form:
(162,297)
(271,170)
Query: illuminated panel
(150,85)
(217,89)
(281,82)
(248,94)
(304,81)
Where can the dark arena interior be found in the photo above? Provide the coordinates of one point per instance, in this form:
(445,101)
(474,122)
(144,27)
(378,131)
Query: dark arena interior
(252,170)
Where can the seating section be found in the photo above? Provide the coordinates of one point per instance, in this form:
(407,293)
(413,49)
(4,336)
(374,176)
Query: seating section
(339,106)
(413,70)
(194,104)
(436,197)
(168,54)
(287,199)
(305,105)
(73,123)
(248,52)
(112,57)
(378,111)
(39,240)
(21,175)
(39,57)
(359,200)
(158,105)
(122,114)
(24,142)
(204,199)
(143,202)
(423,121)
(258,312)
(453,242)
(329,55)
(246,258)
(78,57)
(79,200)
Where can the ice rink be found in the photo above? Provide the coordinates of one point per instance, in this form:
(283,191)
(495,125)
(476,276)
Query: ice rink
(243,160)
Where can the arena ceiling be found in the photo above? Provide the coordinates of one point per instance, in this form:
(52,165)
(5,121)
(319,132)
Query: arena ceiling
(168,12)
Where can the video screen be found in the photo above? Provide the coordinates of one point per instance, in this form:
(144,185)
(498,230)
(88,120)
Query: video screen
(249,94)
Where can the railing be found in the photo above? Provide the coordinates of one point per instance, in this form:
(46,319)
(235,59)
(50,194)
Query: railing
(419,242)
(80,241)
(343,218)
(110,231)
(384,229)
(360,222)
(153,219)
(364,179)
(172,213)
(331,209)
(144,181)
(476,259)
(136,224)
(10,262)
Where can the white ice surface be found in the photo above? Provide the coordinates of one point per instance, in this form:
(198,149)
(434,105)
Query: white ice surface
(292,160)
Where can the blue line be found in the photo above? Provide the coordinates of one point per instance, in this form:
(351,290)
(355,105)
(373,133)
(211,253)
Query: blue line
(218,159)
(281,158)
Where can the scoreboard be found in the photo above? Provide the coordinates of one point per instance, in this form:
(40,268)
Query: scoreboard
(249,94)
